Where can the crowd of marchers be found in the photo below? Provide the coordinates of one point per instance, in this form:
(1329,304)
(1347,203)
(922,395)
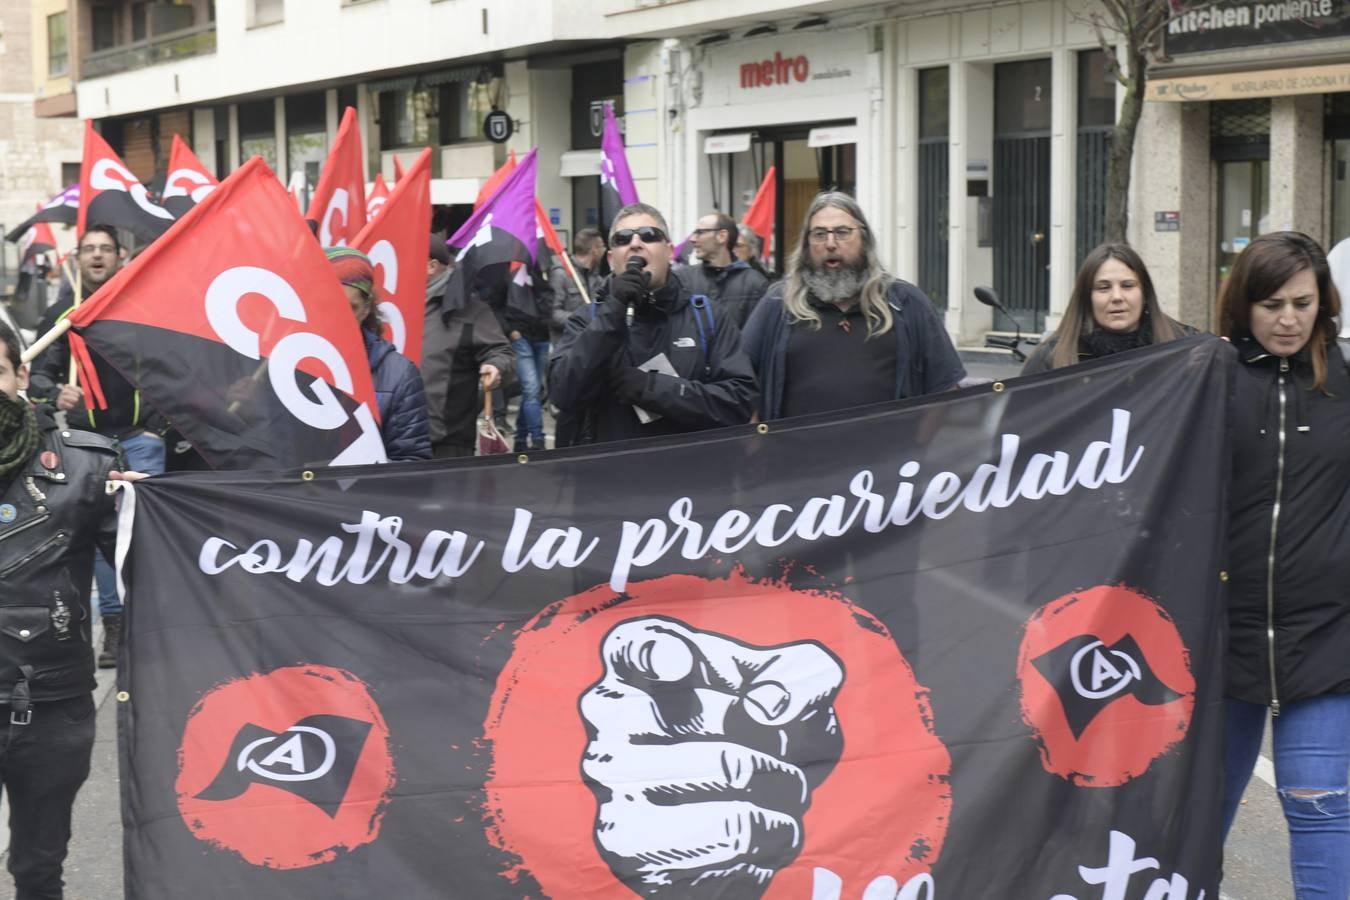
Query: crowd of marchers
(659,348)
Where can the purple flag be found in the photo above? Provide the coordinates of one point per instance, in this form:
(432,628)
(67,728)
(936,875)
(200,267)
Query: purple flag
(616,182)
(501,233)
(63,208)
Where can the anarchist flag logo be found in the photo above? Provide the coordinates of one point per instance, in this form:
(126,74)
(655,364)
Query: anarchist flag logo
(287,768)
(1106,685)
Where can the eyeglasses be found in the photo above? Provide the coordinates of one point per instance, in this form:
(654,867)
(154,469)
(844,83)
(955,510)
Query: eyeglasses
(101,248)
(706,230)
(841,234)
(647,234)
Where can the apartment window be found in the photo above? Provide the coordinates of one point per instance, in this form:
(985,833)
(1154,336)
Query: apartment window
(139,31)
(265,12)
(58,59)
(103,21)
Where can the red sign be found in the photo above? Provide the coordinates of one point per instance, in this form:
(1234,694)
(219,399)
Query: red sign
(779,70)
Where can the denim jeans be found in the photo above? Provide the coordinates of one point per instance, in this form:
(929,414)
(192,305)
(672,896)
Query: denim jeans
(531,364)
(42,765)
(1311,741)
(142,452)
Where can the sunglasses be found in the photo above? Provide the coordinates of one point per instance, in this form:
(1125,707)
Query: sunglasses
(647,234)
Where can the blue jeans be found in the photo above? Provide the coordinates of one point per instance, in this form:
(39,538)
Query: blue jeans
(142,452)
(1312,764)
(531,364)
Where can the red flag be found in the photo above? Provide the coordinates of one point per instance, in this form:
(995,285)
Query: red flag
(546,232)
(396,242)
(339,202)
(490,186)
(111,195)
(761,213)
(234,328)
(398,170)
(188,181)
(37,239)
(379,193)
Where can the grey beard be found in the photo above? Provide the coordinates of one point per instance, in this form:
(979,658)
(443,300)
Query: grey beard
(834,285)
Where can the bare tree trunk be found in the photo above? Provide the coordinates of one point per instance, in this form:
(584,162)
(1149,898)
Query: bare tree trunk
(1121,153)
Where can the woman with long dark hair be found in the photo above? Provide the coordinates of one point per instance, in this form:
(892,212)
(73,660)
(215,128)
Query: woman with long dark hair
(1289,569)
(1113,308)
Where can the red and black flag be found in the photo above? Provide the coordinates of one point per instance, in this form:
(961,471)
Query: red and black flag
(379,195)
(63,208)
(616,181)
(234,328)
(396,242)
(188,181)
(500,233)
(37,239)
(339,202)
(111,195)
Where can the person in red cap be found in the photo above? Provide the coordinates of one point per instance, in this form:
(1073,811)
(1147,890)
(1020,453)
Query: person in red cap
(398,385)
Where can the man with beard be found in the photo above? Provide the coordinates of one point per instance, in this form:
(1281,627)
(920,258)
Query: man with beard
(734,286)
(126,419)
(839,330)
(647,343)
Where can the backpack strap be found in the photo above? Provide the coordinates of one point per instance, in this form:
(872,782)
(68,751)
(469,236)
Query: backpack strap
(707,330)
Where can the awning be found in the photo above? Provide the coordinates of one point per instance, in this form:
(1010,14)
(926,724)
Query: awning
(448,191)
(832,136)
(727,143)
(1242,85)
(579,163)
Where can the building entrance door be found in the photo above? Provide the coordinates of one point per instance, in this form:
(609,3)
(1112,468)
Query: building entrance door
(1243,208)
(1021,190)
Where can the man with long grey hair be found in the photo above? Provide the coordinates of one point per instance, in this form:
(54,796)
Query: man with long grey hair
(841,331)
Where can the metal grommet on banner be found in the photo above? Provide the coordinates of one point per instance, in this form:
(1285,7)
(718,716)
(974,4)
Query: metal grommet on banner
(123,696)
(1223,576)
(523,458)
(307,475)
(998,387)
(762,428)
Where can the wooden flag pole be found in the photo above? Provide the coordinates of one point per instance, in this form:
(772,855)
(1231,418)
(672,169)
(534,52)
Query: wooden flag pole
(567,261)
(45,341)
(74,379)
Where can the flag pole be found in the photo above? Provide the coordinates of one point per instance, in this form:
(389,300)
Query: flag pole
(45,341)
(567,261)
(74,379)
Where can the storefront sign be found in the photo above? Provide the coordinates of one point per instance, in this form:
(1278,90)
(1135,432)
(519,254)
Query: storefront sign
(497,126)
(1244,85)
(785,66)
(1167,220)
(1244,23)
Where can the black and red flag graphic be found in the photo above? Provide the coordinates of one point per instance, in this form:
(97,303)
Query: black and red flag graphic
(981,658)
(396,242)
(234,328)
(338,204)
(111,195)
(188,182)
(496,247)
(63,209)
(37,239)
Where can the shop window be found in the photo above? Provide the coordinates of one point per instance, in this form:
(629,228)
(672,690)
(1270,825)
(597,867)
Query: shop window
(409,118)
(934,181)
(258,131)
(222,117)
(1336,129)
(468,102)
(1239,129)
(58,56)
(1096,119)
(306,134)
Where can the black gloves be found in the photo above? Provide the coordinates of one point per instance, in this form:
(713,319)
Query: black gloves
(627,383)
(630,288)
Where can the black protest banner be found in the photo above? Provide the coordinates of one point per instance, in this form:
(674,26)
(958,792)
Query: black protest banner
(962,648)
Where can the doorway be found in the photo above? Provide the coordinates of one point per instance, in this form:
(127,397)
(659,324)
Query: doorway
(1021,170)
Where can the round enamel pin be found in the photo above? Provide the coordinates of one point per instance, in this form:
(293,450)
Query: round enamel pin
(49,460)
(8,513)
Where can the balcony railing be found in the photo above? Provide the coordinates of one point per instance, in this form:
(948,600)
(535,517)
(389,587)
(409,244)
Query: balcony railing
(161,48)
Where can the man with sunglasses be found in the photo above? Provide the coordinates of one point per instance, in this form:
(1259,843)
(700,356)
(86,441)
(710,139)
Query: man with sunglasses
(650,356)
(732,284)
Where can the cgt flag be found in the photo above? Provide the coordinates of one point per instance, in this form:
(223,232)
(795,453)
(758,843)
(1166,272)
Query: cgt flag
(63,208)
(339,202)
(37,239)
(111,195)
(188,181)
(981,658)
(616,182)
(379,194)
(234,328)
(501,232)
(396,242)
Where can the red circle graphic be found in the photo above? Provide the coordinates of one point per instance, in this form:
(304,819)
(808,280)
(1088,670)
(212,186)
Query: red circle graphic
(1123,735)
(269,825)
(882,811)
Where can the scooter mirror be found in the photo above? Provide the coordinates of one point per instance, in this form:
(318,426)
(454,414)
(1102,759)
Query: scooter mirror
(987,296)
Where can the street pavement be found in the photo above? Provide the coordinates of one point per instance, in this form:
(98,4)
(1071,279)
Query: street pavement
(1256,864)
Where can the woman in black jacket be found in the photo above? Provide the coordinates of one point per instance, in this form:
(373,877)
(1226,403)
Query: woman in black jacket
(1289,569)
(1113,308)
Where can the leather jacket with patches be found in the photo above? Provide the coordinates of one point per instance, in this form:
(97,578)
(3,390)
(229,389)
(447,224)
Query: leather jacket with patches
(53,513)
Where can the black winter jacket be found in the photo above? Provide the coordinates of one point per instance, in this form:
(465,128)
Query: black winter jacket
(735,288)
(1289,507)
(401,399)
(456,340)
(1040,359)
(57,517)
(716,384)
